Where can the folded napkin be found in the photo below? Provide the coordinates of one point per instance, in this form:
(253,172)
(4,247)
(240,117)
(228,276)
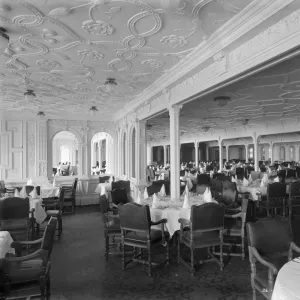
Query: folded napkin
(34,194)
(139,198)
(162,191)
(29,181)
(17,193)
(207,196)
(186,203)
(23,192)
(146,196)
(233,179)
(245,182)
(155,202)
(250,179)
(276,179)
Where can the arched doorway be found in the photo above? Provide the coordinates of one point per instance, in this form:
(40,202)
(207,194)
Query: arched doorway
(65,157)
(102,153)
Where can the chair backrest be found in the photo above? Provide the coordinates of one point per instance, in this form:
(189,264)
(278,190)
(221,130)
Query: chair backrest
(74,186)
(135,217)
(119,196)
(104,205)
(203,179)
(14,208)
(298,172)
(240,173)
(206,217)
(270,236)
(276,190)
(281,175)
(48,237)
(294,189)
(290,173)
(121,184)
(155,187)
(30,188)
(256,175)
(229,192)
(216,186)
(182,173)
(61,199)
(103,179)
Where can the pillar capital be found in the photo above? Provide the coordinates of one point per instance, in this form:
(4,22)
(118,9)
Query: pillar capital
(175,109)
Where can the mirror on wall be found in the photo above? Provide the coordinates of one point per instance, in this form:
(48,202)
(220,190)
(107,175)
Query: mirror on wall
(102,153)
(65,154)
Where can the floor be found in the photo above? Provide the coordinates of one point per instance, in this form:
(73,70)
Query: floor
(79,271)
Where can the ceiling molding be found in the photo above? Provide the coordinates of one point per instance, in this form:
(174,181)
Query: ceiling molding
(253,15)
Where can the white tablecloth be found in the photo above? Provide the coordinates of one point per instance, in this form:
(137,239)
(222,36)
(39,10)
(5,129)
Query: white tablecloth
(39,212)
(252,190)
(287,285)
(5,242)
(49,192)
(104,189)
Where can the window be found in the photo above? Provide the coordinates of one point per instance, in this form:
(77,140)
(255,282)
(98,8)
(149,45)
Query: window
(292,153)
(251,152)
(133,153)
(262,153)
(282,153)
(124,154)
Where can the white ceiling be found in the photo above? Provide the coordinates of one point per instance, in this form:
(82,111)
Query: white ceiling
(65,49)
(269,98)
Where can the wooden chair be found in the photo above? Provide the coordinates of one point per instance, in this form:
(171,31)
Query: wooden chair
(276,198)
(216,189)
(118,196)
(136,232)
(205,230)
(112,227)
(70,197)
(270,243)
(294,196)
(17,217)
(234,227)
(34,267)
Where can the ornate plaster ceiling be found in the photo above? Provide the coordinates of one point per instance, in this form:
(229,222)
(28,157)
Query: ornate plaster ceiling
(263,100)
(65,50)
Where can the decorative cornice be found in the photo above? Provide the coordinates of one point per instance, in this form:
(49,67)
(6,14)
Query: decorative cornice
(254,14)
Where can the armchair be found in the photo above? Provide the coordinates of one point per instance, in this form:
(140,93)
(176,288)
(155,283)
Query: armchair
(17,217)
(70,196)
(118,196)
(111,222)
(34,267)
(136,232)
(203,230)
(270,243)
(294,196)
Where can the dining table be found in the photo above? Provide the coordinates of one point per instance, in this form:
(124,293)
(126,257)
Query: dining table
(49,191)
(39,213)
(104,189)
(287,281)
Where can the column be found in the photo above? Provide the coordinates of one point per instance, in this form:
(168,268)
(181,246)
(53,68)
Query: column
(149,154)
(220,154)
(227,152)
(42,147)
(255,150)
(247,152)
(165,154)
(271,152)
(207,153)
(80,159)
(100,153)
(141,162)
(174,112)
(196,144)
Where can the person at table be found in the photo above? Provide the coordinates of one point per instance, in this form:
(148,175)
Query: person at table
(59,169)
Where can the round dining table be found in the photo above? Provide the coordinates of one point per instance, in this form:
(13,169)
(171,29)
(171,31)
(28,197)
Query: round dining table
(287,282)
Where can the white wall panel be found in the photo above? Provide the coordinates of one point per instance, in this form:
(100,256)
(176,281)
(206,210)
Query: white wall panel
(5,150)
(17,166)
(17,133)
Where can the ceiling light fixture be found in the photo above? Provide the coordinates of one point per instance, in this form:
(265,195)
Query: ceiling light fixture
(93,111)
(41,114)
(29,95)
(110,84)
(4,39)
(222,100)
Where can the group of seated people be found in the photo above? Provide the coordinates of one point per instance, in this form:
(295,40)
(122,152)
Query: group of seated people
(63,169)
(96,170)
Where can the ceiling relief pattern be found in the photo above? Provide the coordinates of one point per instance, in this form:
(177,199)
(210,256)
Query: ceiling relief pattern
(65,50)
(265,100)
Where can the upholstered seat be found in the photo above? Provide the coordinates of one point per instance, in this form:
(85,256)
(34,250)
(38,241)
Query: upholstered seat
(155,236)
(202,239)
(232,227)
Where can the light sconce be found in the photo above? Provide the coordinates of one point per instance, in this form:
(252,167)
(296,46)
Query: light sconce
(29,95)
(222,100)
(41,114)
(110,84)
(4,39)
(93,111)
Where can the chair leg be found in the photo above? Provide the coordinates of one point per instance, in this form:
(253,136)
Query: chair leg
(42,287)
(243,248)
(149,261)
(106,247)
(221,257)
(178,250)
(253,293)
(59,227)
(192,262)
(123,256)
(48,286)
(168,252)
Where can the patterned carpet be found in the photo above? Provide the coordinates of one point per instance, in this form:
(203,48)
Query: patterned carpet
(79,271)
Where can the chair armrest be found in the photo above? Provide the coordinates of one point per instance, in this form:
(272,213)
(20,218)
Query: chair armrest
(38,253)
(239,215)
(162,221)
(295,247)
(184,222)
(20,243)
(262,261)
